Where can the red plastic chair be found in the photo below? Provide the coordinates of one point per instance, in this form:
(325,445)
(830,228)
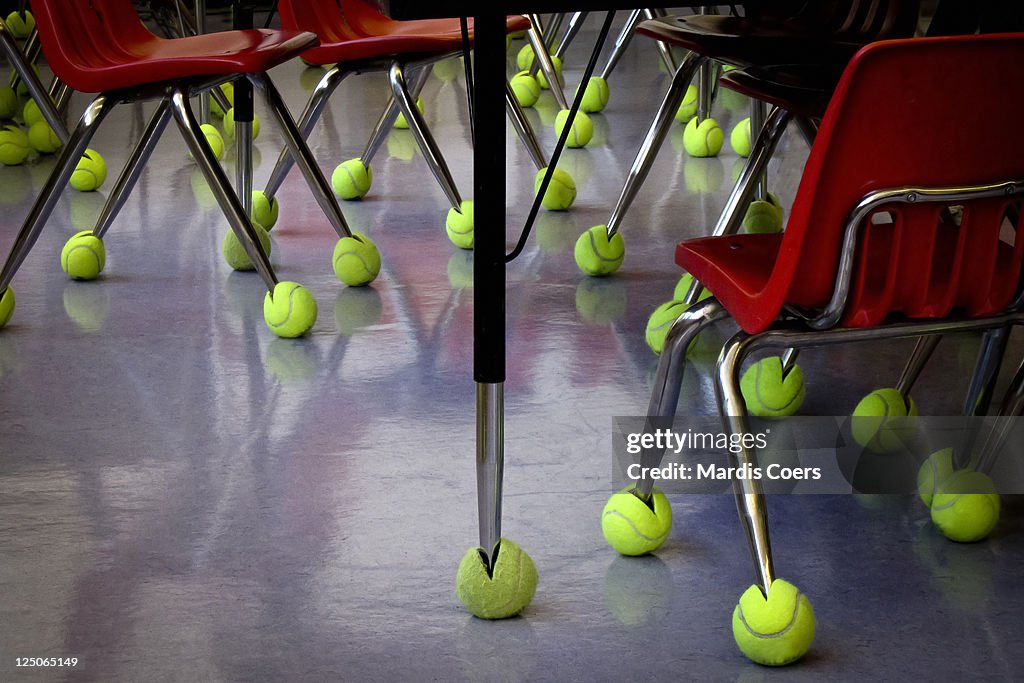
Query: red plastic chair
(888,147)
(356,37)
(102,46)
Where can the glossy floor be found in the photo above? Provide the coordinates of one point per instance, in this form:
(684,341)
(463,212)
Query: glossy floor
(184,496)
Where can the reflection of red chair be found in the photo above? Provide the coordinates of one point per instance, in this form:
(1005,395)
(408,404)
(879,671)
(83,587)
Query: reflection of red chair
(356,37)
(101,46)
(869,251)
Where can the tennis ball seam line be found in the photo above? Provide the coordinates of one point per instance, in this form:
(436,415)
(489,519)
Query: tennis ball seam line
(600,256)
(287,317)
(67,255)
(780,633)
(358,255)
(637,531)
(757,391)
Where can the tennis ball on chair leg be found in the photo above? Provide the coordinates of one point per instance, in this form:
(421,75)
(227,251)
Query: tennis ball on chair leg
(935,470)
(702,138)
(740,138)
(763,216)
(14,145)
(561,191)
(878,421)
(688,107)
(31,114)
(503,593)
(264,211)
(83,256)
(595,97)
(633,527)
(21,25)
(43,138)
(542,80)
(596,254)
(356,260)
(234,252)
(290,311)
(6,306)
(966,506)
(661,321)
(214,139)
(776,630)
(8,102)
(459,225)
(401,123)
(90,173)
(582,130)
(352,179)
(767,393)
(525,88)
(229,91)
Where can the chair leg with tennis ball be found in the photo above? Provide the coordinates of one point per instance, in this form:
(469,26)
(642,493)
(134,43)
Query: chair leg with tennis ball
(600,250)
(572,30)
(497,579)
(542,61)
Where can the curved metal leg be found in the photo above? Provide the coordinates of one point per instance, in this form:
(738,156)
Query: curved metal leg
(315,179)
(424,139)
(523,128)
(655,136)
(133,168)
(41,210)
(622,42)
(389,116)
(310,115)
(233,210)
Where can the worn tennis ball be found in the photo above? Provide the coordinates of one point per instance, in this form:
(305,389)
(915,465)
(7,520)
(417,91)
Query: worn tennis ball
(965,506)
(43,138)
(401,123)
(229,125)
(213,139)
(524,58)
(776,630)
(633,527)
(21,25)
(879,423)
(542,80)
(14,145)
(90,173)
(688,108)
(661,320)
(561,192)
(596,254)
(31,114)
(352,179)
(703,138)
(83,256)
(595,96)
(502,593)
(235,254)
(459,225)
(6,306)
(767,393)
(763,216)
(935,470)
(581,132)
(290,310)
(8,102)
(264,211)
(229,91)
(356,260)
(739,138)
(526,89)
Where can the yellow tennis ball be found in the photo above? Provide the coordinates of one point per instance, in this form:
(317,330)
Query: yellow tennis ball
(740,138)
(934,471)
(401,123)
(90,173)
(43,138)
(597,254)
(8,102)
(775,630)
(290,310)
(688,107)
(581,132)
(595,97)
(83,256)
(356,260)
(31,114)
(459,225)
(236,255)
(966,506)
(14,145)
(879,421)
(264,211)
(767,393)
(633,527)
(660,322)
(525,88)
(229,125)
(352,179)
(213,139)
(524,58)
(702,139)
(501,593)
(561,192)
(229,91)
(6,306)
(447,69)
(542,80)
(763,216)
(683,286)
(21,25)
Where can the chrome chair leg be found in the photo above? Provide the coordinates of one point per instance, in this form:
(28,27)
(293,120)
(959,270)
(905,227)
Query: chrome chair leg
(655,136)
(31,56)
(244,115)
(58,180)
(986,371)
(490,460)
(664,49)
(427,144)
(923,350)
(389,116)
(758,114)
(542,60)
(27,75)
(571,31)
(133,168)
(315,179)
(551,29)
(808,129)
(233,210)
(1012,407)
(622,42)
(524,129)
(310,115)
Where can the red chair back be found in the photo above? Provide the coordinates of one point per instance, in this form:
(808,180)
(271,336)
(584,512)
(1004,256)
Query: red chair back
(923,113)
